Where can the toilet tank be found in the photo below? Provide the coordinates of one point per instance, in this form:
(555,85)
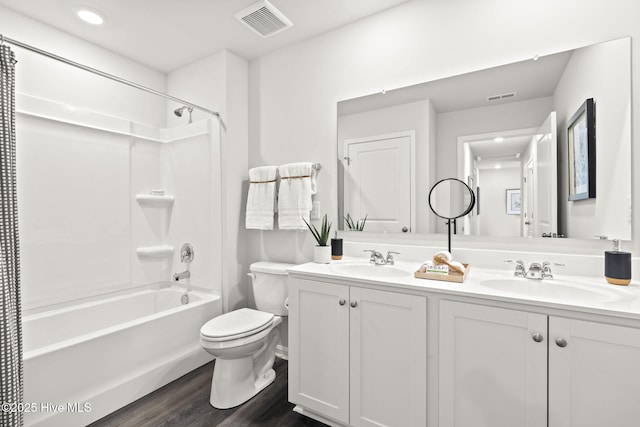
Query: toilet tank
(269,280)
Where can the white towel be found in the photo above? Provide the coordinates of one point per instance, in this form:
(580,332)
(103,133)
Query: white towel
(261,198)
(297,185)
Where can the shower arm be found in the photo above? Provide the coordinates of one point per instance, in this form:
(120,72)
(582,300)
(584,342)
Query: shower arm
(4,39)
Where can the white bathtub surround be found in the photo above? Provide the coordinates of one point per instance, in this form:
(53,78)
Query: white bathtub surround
(108,353)
(104,191)
(261,200)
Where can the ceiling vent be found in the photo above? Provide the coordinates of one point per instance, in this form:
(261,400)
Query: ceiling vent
(502,97)
(263,18)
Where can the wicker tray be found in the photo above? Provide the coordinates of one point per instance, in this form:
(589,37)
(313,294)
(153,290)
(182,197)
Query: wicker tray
(451,277)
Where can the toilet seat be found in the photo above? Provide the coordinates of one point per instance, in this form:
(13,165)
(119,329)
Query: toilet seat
(236,324)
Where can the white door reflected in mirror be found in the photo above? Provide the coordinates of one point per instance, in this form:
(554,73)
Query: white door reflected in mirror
(378,181)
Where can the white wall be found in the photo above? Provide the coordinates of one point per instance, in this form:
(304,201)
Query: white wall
(493,212)
(294,91)
(46,78)
(219,83)
(585,77)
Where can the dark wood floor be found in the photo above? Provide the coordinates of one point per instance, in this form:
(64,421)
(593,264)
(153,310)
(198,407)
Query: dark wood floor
(185,402)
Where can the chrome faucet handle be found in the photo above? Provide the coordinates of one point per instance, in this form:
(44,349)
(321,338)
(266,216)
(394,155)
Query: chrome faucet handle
(520,270)
(546,270)
(374,255)
(390,255)
(186,253)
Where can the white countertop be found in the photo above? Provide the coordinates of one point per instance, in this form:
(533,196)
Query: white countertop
(577,293)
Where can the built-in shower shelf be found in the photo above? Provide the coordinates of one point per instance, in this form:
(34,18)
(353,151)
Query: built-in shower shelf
(154,252)
(155,200)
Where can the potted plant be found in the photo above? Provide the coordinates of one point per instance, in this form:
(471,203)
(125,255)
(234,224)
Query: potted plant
(322,251)
(355,225)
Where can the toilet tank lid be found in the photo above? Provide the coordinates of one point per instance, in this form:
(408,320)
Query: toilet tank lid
(270,267)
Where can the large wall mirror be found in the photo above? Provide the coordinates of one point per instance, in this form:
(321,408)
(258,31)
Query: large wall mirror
(503,131)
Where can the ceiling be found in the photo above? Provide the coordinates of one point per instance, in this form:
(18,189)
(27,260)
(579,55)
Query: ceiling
(528,79)
(169,34)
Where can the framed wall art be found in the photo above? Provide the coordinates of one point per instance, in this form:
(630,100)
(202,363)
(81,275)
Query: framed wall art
(514,202)
(581,137)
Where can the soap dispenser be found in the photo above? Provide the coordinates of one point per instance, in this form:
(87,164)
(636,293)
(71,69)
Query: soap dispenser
(336,247)
(617,265)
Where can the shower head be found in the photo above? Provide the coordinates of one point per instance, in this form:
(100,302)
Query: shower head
(178,111)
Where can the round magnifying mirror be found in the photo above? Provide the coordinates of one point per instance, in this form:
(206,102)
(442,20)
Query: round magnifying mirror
(451,198)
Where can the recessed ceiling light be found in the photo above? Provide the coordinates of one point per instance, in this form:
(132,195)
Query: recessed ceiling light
(498,139)
(90,16)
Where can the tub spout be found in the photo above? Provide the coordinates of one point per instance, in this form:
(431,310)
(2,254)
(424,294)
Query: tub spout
(184,275)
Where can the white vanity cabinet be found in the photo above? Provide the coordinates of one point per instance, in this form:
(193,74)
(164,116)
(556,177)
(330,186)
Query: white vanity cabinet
(357,356)
(594,374)
(500,367)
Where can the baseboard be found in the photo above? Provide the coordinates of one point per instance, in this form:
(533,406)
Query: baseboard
(282,352)
(310,414)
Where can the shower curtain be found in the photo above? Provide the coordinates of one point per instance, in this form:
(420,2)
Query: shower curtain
(11,394)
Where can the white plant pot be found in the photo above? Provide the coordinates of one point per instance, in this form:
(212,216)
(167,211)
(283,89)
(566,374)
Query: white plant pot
(322,254)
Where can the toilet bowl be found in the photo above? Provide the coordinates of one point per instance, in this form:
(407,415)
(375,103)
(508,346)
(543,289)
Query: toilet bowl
(244,340)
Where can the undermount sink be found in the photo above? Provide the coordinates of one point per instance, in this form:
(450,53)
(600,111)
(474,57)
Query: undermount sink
(368,270)
(555,289)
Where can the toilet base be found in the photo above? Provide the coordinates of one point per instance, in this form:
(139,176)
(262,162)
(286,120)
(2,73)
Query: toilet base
(234,383)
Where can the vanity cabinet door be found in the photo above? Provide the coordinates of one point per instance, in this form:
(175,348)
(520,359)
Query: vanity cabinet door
(594,374)
(388,358)
(493,367)
(319,347)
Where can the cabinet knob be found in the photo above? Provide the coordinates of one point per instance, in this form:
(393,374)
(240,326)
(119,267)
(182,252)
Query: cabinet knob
(561,342)
(354,304)
(342,301)
(537,337)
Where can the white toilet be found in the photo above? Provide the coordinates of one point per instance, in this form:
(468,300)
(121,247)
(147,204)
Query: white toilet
(244,340)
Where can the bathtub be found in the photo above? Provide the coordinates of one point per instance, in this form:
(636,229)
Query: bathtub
(85,361)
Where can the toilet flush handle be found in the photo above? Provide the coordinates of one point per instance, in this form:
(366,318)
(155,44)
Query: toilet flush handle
(252,275)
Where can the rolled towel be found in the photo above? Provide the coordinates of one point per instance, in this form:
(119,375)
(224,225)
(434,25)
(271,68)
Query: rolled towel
(457,267)
(442,257)
(261,199)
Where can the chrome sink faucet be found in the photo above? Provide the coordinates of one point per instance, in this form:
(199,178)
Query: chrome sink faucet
(536,270)
(378,259)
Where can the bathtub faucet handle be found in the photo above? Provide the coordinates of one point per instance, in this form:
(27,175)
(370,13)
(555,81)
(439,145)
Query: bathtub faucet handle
(186,252)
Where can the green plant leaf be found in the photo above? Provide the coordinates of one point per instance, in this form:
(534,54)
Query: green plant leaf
(322,236)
